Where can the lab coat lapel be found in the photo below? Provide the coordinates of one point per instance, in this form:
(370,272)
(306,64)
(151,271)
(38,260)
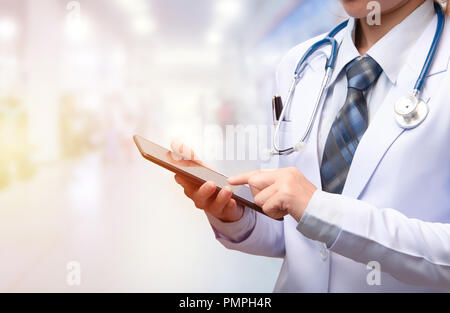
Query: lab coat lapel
(308,160)
(383,131)
(380,135)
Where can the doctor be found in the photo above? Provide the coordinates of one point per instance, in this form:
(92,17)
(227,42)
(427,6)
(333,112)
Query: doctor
(365,194)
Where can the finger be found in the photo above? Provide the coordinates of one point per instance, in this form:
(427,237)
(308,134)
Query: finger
(232,211)
(262,197)
(183,180)
(257,179)
(223,198)
(202,196)
(177,159)
(184,151)
(273,203)
(263,179)
(242,179)
(179,148)
(184,156)
(273,207)
(188,186)
(230,206)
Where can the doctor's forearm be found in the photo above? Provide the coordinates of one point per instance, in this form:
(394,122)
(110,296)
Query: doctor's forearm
(412,251)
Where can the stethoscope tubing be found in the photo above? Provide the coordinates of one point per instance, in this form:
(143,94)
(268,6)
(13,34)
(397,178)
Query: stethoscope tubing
(434,46)
(329,68)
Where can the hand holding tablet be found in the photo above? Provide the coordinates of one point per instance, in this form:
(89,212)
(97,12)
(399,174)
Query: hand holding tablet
(208,189)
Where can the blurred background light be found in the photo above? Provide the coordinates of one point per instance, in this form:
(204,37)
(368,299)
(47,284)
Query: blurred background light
(8,29)
(134,7)
(78,29)
(139,15)
(143,26)
(186,58)
(229,9)
(214,37)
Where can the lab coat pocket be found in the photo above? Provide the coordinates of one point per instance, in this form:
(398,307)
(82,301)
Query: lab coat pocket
(285,135)
(285,126)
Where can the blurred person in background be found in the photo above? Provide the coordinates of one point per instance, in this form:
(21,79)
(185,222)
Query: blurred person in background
(225,114)
(382,224)
(78,127)
(119,120)
(15,150)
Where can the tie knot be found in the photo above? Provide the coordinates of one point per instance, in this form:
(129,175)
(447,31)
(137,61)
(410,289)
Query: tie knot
(362,72)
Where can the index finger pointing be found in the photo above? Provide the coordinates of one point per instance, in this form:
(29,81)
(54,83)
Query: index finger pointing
(257,179)
(242,179)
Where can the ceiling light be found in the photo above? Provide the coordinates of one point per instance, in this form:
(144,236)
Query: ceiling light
(77,29)
(228,9)
(8,29)
(143,26)
(214,37)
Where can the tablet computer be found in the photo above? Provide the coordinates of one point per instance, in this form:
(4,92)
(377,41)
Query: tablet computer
(197,173)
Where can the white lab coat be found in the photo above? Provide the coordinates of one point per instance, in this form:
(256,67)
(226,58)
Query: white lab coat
(395,207)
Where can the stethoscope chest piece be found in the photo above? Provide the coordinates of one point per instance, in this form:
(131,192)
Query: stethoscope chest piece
(410,111)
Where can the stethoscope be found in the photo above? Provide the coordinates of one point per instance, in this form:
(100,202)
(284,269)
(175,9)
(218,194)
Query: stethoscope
(409,111)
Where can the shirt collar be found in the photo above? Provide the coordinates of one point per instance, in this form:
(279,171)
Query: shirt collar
(398,41)
(347,50)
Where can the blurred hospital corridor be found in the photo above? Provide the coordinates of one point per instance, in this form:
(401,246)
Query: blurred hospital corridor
(77,80)
(126,237)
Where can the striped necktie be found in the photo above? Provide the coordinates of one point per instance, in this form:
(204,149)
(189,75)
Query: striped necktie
(349,125)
